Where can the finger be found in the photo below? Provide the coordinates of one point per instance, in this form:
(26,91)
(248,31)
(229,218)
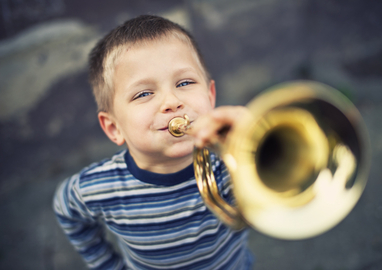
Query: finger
(204,130)
(229,114)
(208,129)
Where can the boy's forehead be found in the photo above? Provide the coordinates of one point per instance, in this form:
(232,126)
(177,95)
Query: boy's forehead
(131,48)
(169,54)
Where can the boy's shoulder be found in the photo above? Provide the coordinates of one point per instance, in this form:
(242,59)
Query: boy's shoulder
(105,171)
(117,161)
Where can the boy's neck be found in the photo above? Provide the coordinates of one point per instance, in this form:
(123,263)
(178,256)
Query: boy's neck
(162,165)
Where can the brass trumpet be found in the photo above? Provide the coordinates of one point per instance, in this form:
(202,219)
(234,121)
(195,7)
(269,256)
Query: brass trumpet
(298,162)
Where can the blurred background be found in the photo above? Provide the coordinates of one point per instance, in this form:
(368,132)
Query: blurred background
(49,128)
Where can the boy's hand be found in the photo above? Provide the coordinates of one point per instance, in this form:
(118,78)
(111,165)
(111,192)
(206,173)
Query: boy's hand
(212,127)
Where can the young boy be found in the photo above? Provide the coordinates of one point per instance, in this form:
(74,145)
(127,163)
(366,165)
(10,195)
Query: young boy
(144,73)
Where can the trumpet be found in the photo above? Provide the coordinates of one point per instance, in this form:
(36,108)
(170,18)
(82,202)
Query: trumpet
(298,162)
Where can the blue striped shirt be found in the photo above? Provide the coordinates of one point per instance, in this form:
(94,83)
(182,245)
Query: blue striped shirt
(160,220)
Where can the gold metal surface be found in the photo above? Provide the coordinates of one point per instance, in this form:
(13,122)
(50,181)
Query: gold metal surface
(179,125)
(298,163)
(205,180)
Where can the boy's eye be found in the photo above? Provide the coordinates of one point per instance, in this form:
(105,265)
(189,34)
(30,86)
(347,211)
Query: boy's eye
(185,83)
(142,94)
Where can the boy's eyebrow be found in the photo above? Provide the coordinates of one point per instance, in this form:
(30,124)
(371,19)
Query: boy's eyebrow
(193,71)
(183,70)
(146,81)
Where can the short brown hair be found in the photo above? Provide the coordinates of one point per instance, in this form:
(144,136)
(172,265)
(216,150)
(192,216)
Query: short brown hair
(104,54)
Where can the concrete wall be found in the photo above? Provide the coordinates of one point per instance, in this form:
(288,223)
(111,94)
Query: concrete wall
(49,130)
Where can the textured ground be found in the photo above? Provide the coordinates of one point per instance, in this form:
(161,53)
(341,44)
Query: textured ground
(49,130)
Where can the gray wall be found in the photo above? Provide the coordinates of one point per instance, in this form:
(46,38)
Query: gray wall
(49,129)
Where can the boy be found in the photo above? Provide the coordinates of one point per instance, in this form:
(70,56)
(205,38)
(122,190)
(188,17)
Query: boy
(144,73)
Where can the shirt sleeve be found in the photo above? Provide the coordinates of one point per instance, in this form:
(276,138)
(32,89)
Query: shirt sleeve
(83,229)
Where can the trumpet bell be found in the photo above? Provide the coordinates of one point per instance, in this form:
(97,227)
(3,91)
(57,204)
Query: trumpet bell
(298,162)
(288,179)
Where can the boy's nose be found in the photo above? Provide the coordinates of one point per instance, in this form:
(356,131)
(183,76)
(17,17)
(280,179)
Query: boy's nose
(171,103)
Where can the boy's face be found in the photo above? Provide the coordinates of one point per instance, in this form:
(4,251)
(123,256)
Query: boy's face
(155,82)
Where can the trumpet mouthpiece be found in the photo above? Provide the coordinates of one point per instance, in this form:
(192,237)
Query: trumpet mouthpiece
(178,126)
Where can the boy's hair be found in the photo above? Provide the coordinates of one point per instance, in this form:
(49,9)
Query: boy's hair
(104,55)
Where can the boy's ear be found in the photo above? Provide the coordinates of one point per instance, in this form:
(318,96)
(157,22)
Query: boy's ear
(212,93)
(110,128)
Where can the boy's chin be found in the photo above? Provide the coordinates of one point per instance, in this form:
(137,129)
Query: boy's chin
(180,150)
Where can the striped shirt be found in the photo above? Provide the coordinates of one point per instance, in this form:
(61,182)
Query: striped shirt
(160,220)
